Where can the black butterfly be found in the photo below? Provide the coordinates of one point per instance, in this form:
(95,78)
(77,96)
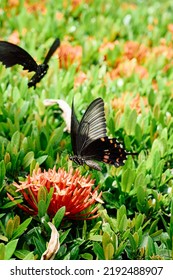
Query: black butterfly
(11,54)
(89,139)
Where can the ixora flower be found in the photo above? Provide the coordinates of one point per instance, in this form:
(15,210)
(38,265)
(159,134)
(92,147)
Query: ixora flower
(70,189)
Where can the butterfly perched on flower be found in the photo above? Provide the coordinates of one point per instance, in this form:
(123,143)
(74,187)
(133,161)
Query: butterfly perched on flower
(11,54)
(89,139)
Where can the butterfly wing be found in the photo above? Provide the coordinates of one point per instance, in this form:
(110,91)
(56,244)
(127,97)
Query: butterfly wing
(11,54)
(74,130)
(52,49)
(107,150)
(92,125)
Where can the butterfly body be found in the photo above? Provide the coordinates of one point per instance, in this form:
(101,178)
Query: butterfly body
(90,142)
(11,54)
(40,73)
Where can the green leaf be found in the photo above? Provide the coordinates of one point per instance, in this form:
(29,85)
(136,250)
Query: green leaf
(133,244)
(42,193)
(157,172)
(29,157)
(41,208)
(109,251)
(21,254)
(96,237)
(128,177)
(142,199)
(120,249)
(95,229)
(74,253)
(140,180)
(106,239)
(120,213)
(139,220)
(49,197)
(87,256)
(138,133)
(130,123)
(2,251)
(98,250)
(41,159)
(153,226)
(15,141)
(23,109)
(10,248)
(11,203)
(55,137)
(29,256)
(123,223)
(21,228)
(9,228)
(63,236)
(59,216)
(40,245)
(171,223)
(110,199)
(43,140)
(2,173)
(150,248)
(16,221)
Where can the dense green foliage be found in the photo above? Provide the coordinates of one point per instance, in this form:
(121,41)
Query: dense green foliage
(136,219)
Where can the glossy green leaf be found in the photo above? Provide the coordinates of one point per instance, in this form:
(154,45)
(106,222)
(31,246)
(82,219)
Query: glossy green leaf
(21,228)
(150,248)
(109,251)
(57,219)
(29,157)
(98,250)
(128,177)
(15,141)
(120,214)
(21,254)
(29,256)
(41,208)
(9,228)
(74,253)
(10,248)
(87,256)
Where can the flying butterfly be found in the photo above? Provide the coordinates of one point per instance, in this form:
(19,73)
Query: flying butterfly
(89,139)
(11,54)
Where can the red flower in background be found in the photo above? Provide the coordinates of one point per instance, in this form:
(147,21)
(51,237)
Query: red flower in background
(69,55)
(70,189)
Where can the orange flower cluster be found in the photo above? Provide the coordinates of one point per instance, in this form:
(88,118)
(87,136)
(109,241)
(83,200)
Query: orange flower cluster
(127,68)
(129,61)
(126,98)
(133,49)
(134,55)
(31,7)
(36,7)
(107,46)
(69,54)
(70,189)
